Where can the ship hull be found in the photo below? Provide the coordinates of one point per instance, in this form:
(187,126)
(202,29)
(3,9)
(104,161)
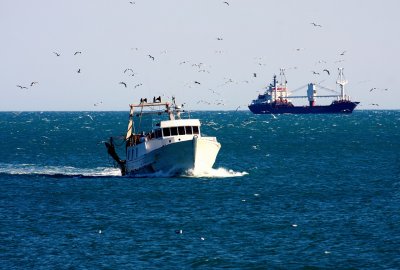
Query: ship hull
(345,107)
(198,154)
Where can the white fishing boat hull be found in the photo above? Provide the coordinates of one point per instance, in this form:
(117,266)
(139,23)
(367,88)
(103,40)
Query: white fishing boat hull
(172,157)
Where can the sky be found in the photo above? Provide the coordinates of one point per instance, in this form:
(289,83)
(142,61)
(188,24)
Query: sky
(205,51)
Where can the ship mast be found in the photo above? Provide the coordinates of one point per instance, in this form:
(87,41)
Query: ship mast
(342,82)
(283,90)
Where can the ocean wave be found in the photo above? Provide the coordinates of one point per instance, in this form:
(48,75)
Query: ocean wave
(57,171)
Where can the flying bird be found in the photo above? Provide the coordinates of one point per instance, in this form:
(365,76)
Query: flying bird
(33,83)
(220,38)
(78,71)
(56,53)
(315,73)
(128,69)
(151,57)
(123,83)
(139,84)
(372,89)
(226,3)
(22,87)
(343,53)
(374,104)
(316,25)
(327,71)
(197,82)
(254,75)
(77,53)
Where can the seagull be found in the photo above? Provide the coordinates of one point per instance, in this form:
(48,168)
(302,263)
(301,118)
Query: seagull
(372,89)
(56,53)
(327,71)
(374,104)
(128,69)
(220,38)
(214,92)
(97,104)
(254,75)
(78,71)
(151,57)
(320,62)
(197,82)
(316,25)
(33,83)
(22,87)
(315,73)
(123,83)
(131,2)
(139,84)
(226,3)
(343,53)
(77,53)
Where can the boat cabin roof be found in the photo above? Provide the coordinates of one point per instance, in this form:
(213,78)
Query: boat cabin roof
(180,123)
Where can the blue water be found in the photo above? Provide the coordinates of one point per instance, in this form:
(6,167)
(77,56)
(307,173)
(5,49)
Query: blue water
(291,192)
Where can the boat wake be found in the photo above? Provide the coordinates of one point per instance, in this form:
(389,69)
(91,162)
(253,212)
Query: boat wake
(211,173)
(215,173)
(74,172)
(57,171)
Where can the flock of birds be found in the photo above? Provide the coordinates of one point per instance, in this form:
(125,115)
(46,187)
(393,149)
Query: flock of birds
(202,68)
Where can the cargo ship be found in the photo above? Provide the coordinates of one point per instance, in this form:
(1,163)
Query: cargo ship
(277,99)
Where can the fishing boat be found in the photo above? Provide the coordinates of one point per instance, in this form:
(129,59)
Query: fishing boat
(277,99)
(172,146)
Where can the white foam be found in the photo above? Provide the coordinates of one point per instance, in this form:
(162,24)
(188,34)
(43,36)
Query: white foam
(215,173)
(26,169)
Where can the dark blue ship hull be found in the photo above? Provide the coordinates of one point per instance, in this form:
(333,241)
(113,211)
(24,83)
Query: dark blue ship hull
(273,108)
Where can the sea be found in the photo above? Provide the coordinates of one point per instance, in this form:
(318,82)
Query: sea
(286,192)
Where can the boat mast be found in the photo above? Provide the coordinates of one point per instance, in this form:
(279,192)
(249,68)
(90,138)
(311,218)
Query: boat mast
(342,82)
(130,123)
(275,87)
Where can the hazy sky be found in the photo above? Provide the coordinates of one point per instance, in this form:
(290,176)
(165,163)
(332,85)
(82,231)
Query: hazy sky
(230,41)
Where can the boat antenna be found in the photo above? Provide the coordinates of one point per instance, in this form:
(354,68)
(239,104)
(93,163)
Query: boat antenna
(342,82)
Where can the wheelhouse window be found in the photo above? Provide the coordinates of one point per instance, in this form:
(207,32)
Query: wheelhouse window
(181,130)
(166,132)
(188,130)
(174,131)
(195,130)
